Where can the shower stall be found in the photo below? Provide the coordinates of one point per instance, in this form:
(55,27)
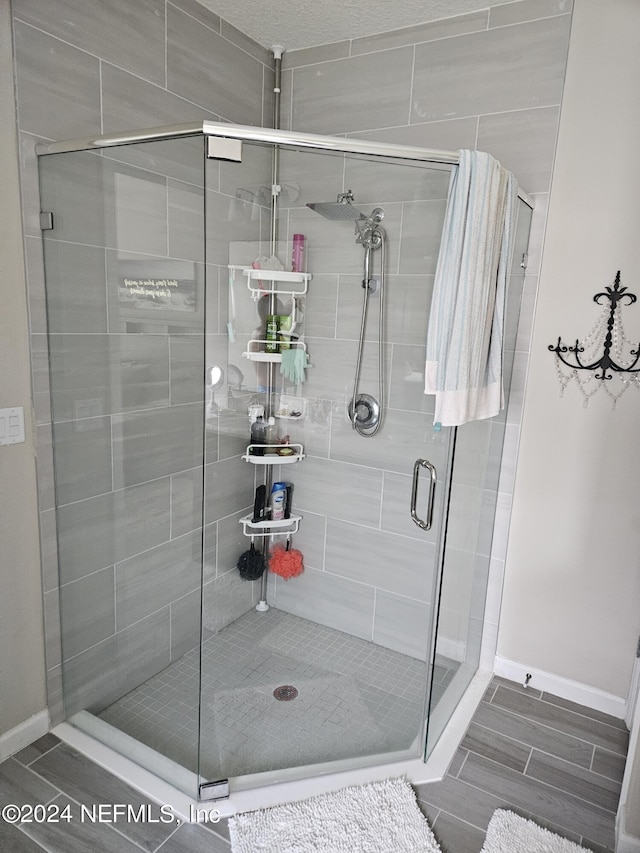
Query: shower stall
(164,268)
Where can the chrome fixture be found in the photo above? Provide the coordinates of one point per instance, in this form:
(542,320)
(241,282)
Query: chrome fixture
(342,209)
(423,524)
(365,412)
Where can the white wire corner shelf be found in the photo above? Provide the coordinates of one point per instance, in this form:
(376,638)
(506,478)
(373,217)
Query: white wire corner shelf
(256,349)
(265,282)
(268,527)
(270,454)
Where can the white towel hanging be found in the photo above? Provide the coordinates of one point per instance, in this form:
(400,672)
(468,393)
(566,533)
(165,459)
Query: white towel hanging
(465,334)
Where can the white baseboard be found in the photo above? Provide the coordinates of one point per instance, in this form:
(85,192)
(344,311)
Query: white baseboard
(625,843)
(24,734)
(574,691)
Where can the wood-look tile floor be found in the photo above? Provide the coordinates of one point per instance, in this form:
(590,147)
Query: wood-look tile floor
(545,758)
(534,753)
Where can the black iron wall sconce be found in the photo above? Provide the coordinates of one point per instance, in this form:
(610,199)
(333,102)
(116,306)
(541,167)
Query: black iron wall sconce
(604,351)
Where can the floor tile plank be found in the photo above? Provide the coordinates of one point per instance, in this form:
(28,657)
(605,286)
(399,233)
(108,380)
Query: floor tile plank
(499,681)
(77,835)
(470,803)
(497,747)
(88,784)
(540,799)
(456,836)
(36,749)
(555,717)
(12,840)
(608,764)
(592,713)
(20,786)
(511,724)
(574,780)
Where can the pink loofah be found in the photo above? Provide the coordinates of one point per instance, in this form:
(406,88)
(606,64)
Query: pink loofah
(286,562)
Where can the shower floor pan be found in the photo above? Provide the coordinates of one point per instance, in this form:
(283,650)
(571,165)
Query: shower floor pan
(354,698)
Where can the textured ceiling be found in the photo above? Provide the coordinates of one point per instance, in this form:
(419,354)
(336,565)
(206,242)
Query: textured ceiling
(304,23)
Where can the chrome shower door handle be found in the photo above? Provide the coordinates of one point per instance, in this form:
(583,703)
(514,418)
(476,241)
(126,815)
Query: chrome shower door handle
(423,463)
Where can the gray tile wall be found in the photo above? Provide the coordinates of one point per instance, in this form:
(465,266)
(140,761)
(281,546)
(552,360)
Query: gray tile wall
(126,407)
(363,550)
(490,80)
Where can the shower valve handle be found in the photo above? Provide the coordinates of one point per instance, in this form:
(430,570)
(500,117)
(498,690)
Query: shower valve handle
(426,523)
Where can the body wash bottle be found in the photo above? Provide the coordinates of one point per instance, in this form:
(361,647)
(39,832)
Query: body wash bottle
(297,253)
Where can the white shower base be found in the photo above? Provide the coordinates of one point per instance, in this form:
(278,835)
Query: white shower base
(281,787)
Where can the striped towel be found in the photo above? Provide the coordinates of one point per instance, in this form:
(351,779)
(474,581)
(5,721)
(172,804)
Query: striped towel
(464,343)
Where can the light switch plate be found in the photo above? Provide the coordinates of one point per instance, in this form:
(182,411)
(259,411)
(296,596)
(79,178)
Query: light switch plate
(12,425)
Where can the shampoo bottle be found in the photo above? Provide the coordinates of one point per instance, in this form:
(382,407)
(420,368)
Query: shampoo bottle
(278,501)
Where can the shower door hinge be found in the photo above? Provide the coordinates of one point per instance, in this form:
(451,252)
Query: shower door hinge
(223,148)
(46,220)
(638,648)
(524,261)
(214,790)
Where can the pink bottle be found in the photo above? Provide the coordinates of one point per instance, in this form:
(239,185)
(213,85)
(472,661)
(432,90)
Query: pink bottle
(297,254)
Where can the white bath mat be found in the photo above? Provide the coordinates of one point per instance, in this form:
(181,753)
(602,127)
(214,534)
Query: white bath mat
(382,817)
(508,832)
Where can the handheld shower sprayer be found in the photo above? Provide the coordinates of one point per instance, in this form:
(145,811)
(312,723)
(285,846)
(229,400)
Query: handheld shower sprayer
(365,412)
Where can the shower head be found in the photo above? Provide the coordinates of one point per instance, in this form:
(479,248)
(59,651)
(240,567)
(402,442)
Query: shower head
(340,210)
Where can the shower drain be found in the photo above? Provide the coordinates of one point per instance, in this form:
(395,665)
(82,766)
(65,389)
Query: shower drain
(285,693)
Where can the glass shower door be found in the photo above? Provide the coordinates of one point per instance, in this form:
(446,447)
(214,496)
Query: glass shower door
(126,306)
(336,672)
(475,491)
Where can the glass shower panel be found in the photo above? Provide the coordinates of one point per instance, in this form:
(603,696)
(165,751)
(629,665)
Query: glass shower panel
(475,486)
(346,642)
(125,292)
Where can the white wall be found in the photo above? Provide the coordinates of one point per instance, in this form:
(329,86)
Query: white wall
(22,692)
(572,589)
